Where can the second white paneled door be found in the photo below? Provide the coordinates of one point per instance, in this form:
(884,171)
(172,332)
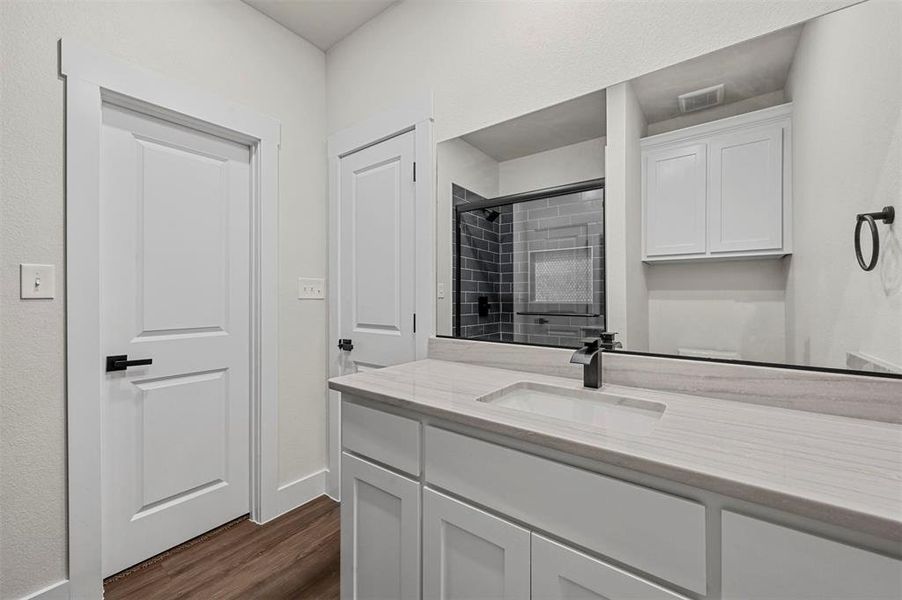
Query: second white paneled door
(377,252)
(175,288)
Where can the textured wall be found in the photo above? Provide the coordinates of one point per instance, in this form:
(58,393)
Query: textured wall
(846,88)
(568,164)
(626,296)
(521,56)
(221,47)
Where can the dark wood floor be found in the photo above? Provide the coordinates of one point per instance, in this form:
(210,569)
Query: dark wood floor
(294,556)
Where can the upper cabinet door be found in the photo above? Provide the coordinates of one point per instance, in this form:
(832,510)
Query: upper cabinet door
(745,202)
(675,196)
(468,553)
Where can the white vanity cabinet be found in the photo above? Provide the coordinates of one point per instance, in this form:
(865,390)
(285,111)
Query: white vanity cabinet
(431,511)
(719,190)
(469,553)
(380,532)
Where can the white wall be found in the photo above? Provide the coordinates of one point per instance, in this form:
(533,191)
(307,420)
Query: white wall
(460,163)
(487,62)
(568,164)
(626,296)
(225,48)
(734,306)
(846,88)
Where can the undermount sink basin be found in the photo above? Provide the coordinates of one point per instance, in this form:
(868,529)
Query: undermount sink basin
(587,407)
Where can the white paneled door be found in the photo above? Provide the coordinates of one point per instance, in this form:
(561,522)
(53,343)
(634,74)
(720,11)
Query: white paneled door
(175,288)
(377,252)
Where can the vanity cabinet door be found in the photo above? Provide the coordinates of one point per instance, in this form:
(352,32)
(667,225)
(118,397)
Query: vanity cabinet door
(468,553)
(561,573)
(675,196)
(380,532)
(763,561)
(745,190)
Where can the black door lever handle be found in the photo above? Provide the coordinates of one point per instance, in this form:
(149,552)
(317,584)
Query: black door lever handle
(120,362)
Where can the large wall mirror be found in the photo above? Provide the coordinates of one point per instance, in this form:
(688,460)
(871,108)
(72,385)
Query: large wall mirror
(738,206)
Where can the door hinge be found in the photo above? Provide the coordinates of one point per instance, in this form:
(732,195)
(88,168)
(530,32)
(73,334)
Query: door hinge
(414,171)
(414,322)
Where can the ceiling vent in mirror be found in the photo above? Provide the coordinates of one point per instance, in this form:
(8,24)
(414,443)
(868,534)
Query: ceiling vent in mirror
(701,99)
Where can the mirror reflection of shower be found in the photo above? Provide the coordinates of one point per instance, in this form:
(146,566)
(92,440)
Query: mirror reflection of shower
(529,267)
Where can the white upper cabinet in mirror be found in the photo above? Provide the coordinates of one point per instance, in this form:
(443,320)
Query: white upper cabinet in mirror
(719,190)
(705,210)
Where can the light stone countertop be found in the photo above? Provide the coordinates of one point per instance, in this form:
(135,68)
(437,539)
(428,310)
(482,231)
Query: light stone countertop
(838,470)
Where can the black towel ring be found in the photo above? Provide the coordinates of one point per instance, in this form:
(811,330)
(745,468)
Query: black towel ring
(887,215)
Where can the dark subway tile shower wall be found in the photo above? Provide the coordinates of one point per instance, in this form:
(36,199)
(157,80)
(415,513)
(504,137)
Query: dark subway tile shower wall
(482,266)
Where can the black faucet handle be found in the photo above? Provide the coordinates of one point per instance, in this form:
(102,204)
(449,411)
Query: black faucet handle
(591,343)
(608,341)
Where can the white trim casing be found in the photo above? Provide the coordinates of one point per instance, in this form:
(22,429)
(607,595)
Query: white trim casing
(92,79)
(415,116)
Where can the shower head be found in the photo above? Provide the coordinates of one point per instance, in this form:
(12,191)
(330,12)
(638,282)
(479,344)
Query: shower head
(490,215)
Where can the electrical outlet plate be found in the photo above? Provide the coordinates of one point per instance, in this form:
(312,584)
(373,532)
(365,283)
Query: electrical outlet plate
(37,281)
(311,288)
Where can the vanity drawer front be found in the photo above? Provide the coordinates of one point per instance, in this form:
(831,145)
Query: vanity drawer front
(658,533)
(762,560)
(382,436)
(559,572)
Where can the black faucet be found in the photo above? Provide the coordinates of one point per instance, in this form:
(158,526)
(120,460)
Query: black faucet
(589,356)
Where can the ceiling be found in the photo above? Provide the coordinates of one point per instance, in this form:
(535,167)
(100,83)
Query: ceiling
(560,125)
(749,69)
(321,22)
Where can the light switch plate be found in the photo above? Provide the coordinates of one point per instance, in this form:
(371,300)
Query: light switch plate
(37,281)
(441,291)
(310,288)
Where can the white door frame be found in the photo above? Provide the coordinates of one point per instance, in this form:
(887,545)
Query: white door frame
(416,117)
(91,80)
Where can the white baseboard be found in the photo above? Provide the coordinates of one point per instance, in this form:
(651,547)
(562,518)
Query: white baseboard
(54,591)
(301,491)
